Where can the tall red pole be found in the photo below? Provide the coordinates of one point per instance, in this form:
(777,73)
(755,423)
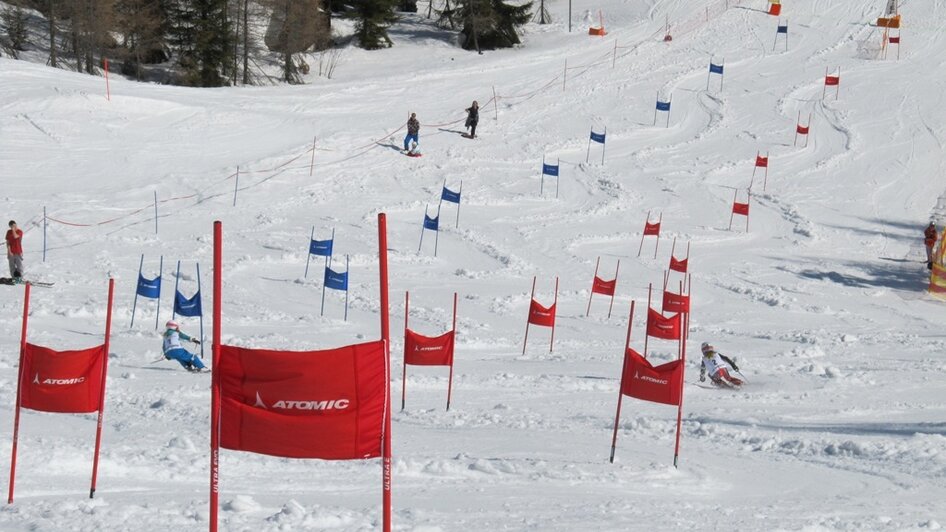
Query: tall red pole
(657,245)
(555,305)
(733,212)
(407,302)
(641,247)
(19,382)
(531,299)
(98,426)
(386,337)
(450,379)
(650,287)
(215,376)
(676,449)
(617,415)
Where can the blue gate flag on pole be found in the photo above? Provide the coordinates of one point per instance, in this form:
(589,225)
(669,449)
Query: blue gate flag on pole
(597,137)
(148,288)
(449,195)
(663,106)
(431,223)
(434,225)
(550,169)
(187,307)
(715,69)
(782,29)
(336,281)
(322,248)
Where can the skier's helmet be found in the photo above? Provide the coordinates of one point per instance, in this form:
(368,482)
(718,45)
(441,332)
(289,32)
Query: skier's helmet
(707,348)
(171,324)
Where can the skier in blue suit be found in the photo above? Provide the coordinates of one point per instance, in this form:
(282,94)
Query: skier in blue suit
(174,350)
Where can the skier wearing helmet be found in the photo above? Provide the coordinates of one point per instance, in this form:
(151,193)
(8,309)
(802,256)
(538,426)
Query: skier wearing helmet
(173,349)
(719,367)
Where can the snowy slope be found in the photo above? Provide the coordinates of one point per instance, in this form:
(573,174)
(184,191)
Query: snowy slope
(841,427)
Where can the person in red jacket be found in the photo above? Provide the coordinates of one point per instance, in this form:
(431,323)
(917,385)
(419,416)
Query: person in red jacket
(15,250)
(929,239)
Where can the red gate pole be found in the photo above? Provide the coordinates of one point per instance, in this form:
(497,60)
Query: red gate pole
(657,245)
(98,426)
(386,337)
(643,234)
(215,376)
(450,379)
(616,270)
(732,212)
(531,299)
(676,449)
(407,301)
(588,312)
(617,415)
(19,382)
(647,328)
(555,305)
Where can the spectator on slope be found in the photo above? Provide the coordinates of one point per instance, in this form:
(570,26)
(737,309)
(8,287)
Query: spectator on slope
(472,118)
(173,349)
(929,239)
(718,366)
(15,250)
(413,130)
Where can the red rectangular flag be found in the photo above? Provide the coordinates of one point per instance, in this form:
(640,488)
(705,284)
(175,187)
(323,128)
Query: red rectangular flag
(676,302)
(62,381)
(326,404)
(421,350)
(600,286)
(651,229)
(740,208)
(539,315)
(762,162)
(801,130)
(679,265)
(659,326)
(831,81)
(661,384)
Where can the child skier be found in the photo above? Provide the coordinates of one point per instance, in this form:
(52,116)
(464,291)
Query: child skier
(719,367)
(472,118)
(173,349)
(413,132)
(929,240)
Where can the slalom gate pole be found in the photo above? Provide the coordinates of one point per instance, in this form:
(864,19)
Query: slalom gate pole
(437,233)
(588,312)
(407,302)
(529,316)
(45,224)
(422,228)
(155,212)
(308,255)
(676,449)
(108,90)
(657,244)
(236,185)
(554,304)
(157,316)
(215,376)
(641,247)
(98,425)
(732,212)
(201,312)
(650,288)
(460,193)
(312,162)
(616,270)
(495,104)
(134,305)
(386,338)
(19,385)
(558,178)
(604,144)
(450,378)
(347,271)
(177,280)
(617,414)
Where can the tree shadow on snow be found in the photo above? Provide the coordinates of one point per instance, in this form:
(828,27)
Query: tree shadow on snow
(912,278)
(857,429)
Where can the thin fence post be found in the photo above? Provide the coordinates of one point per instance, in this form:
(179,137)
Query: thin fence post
(155,212)
(312,162)
(45,224)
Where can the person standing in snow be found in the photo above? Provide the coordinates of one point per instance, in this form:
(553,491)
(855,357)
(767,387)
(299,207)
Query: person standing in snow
(15,250)
(173,349)
(472,118)
(718,366)
(929,240)
(413,131)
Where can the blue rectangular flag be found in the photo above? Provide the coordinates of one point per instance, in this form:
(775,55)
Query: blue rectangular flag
(431,223)
(716,69)
(150,288)
(550,169)
(449,195)
(336,280)
(187,307)
(321,247)
(782,29)
(663,106)
(597,137)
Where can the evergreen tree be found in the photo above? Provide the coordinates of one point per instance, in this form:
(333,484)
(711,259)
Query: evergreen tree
(372,18)
(141,23)
(203,39)
(294,27)
(15,21)
(488,24)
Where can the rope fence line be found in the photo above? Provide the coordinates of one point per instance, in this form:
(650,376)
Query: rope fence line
(687,26)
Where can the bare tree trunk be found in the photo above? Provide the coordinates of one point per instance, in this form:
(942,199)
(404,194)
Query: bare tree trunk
(76,50)
(52,33)
(90,33)
(246,42)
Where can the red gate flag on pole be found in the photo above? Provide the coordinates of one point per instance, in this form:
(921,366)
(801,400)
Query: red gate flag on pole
(651,230)
(70,382)
(681,264)
(600,286)
(659,326)
(541,316)
(678,303)
(420,350)
(661,384)
(739,208)
(761,162)
(801,130)
(832,81)
(332,404)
